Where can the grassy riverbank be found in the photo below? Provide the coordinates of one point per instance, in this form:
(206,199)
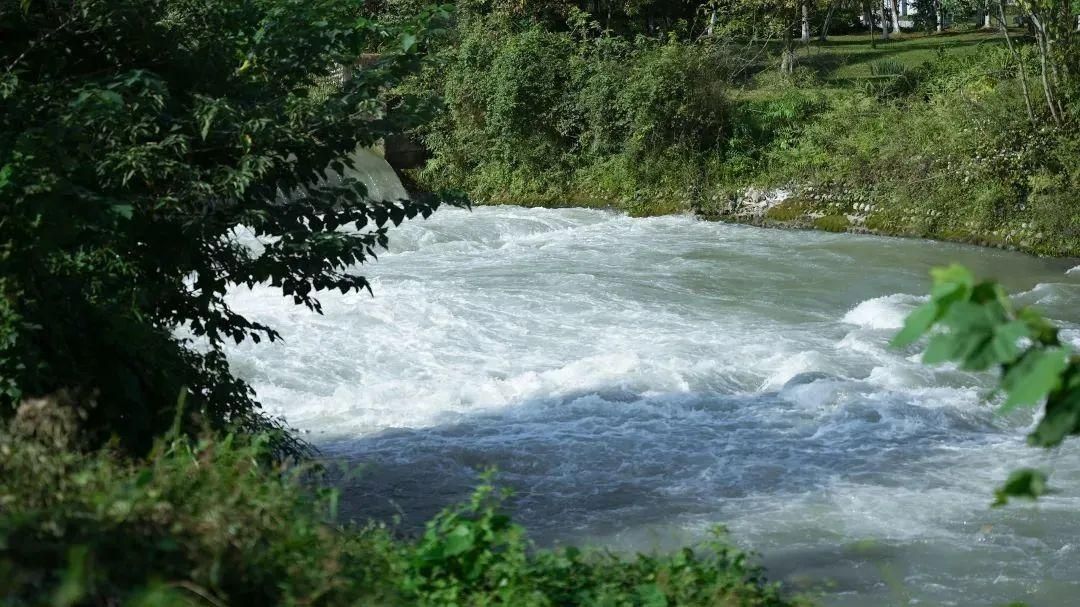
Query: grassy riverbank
(921,135)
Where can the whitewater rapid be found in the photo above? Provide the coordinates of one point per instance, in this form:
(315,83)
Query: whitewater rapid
(637,381)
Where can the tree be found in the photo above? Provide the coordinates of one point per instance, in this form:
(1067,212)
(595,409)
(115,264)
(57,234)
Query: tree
(823,35)
(1056,41)
(771,20)
(135,137)
(622,16)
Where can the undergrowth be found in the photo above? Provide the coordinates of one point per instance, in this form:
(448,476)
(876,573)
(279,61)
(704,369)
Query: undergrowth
(941,147)
(209,522)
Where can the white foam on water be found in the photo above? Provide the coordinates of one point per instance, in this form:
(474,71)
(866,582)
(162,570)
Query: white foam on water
(637,379)
(886,312)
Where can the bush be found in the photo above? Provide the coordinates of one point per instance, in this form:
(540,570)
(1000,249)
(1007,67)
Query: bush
(135,135)
(538,115)
(206,522)
(197,519)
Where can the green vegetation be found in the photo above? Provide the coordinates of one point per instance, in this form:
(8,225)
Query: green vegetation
(205,522)
(976,325)
(954,135)
(135,135)
(546,117)
(135,468)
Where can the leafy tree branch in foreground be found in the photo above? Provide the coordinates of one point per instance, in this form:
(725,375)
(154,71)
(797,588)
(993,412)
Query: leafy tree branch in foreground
(977,326)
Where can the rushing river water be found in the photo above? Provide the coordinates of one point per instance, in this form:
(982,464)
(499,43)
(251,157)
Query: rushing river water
(637,381)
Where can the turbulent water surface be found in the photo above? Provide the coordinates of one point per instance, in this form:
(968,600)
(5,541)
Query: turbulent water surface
(637,381)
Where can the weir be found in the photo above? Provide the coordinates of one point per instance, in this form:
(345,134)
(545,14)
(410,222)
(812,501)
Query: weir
(375,172)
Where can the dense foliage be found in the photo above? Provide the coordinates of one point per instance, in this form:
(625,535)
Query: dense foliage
(942,149)
(135,136)
(960,136)
(528,110)
(203,522)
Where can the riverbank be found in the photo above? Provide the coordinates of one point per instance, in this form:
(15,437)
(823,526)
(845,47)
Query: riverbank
(809,209)
(923,135)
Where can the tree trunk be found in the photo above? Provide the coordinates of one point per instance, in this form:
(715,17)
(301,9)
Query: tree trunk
(805,23)
(1048,71)
(895,6)
(787,61)
(986,16)
(939,10)
(884,21)
(824,35)
(1019,61)
(869,16)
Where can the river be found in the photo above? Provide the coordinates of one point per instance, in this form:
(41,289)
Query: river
(637,381)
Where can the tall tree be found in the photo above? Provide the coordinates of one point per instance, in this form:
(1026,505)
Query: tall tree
(823,35)
(805,23)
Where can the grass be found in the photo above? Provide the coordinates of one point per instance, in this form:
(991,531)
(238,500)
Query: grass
(843,59)
(845,62)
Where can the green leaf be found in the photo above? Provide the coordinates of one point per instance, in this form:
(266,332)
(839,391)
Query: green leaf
(459,541)
(650,595)
(942,348)
(111,97)
(1041,330)
(1027,483)
(916,325)
(206,121)
(1034,376)
(73,585)
(123,210)
(1061,418)
(954,274)
(1005,345)
(407,42)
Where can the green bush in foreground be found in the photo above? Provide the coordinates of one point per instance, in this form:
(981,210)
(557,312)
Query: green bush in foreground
(207,523)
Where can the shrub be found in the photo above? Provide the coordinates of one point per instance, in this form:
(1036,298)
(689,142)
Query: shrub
(197,520)
(135,135)
(541,115)
(206,522)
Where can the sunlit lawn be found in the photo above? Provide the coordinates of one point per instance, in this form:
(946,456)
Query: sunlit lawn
(849,57)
